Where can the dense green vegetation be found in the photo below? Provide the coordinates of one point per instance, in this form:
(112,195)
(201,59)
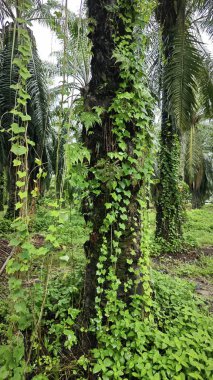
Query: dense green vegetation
(177,311)
(106,243)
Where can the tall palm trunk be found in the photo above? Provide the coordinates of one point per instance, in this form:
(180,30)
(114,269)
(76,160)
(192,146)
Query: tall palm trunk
(103,89)
(197,201)
(168,204)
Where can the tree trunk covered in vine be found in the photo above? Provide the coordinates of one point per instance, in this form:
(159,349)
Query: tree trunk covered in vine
(169,203)
(102,88)
(1,190)
(107,175)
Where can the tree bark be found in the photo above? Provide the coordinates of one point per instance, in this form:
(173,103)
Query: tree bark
(105,82)
(102,88)
(168,204)
(198,200)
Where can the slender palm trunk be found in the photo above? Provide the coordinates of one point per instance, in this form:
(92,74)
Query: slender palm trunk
(169,204)
(197,200)
(1,190)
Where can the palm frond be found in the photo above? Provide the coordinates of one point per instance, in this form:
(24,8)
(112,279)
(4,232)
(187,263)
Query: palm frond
(205,16)
(198,164)
(37,107)
(194,161)
(181,77)
(205,82)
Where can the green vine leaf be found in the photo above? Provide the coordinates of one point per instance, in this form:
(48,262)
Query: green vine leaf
(16,162)
(18,150)
(22,194)
(16,128)
(19,205)
(22,174)
(20,183)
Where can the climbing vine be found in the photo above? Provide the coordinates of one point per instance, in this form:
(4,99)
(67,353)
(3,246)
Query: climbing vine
(123,291)
(23,251)
(170,200)
(137,314)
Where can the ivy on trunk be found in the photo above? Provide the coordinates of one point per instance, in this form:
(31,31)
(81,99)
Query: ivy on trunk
(117,131)
(169,208)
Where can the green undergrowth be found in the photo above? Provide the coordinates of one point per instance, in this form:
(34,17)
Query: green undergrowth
(197,231)
(202,267)
(196,268)
(5,228)
(199,226)
(53,335)
(174,342)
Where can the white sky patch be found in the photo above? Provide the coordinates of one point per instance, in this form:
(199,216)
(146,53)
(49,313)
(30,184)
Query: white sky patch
(46,40)
(207,43)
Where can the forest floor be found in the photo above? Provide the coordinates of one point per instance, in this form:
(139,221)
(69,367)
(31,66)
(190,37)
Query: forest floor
(194,264)
(182,288)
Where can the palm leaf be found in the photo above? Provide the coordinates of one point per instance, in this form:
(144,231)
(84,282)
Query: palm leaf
(181,77)
(39,127)
(194,161)
(205,16)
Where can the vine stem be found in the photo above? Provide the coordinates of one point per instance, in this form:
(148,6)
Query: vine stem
(41,311)
(6,261)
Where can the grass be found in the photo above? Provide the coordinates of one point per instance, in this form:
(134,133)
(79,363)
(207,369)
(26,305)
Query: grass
(199,226)
(173,296)
(192,265)
(198,232)
(203,267)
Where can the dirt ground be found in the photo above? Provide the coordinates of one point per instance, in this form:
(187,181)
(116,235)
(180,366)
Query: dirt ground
(203,284)
(167,263)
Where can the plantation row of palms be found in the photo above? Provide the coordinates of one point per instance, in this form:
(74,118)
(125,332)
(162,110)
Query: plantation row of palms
(184,89)
(81,300)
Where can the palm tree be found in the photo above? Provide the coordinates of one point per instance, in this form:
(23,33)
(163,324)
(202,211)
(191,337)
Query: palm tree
(115,83)
(73,65)
(197,156)
(37,107)
(198,173)
(183,68)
